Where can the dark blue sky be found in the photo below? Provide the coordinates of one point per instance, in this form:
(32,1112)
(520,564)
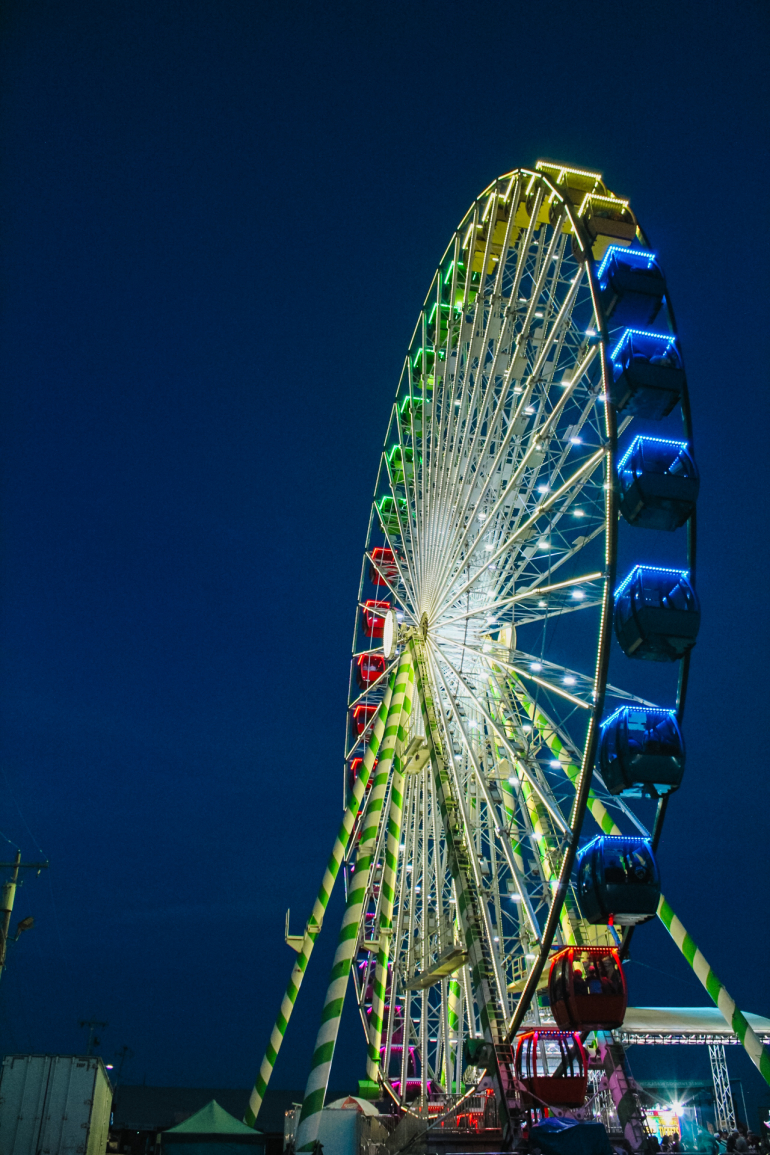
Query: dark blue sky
(219,223)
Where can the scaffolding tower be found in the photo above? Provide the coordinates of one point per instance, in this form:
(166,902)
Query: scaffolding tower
(723,1096)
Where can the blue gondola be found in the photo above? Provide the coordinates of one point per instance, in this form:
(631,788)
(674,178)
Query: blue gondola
(657,614)
(641,752)
(648,377)
(659,483)
(618,880)
(631,287)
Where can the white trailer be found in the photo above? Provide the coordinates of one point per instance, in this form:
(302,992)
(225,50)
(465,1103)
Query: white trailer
(54,1105)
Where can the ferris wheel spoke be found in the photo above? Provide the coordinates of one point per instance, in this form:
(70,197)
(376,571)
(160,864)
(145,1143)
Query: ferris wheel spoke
(379,684)
(538,591)
(462,534)
(548,503)
(499,828)
(554,564)
(527,391)
(473,858)
(401,598)
(544,795)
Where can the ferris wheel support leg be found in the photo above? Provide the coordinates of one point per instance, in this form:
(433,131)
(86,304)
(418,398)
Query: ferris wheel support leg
(622,1089)
(323,1054)
(454,1043)
(757,1052)
(387,893)
(313,927)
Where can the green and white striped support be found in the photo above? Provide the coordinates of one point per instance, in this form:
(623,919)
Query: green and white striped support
(757,1052)
(320,1068)
(453,1018)
(313,927)
(387,894)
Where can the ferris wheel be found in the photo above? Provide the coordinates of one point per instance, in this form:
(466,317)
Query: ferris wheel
(543,393)
(507,768)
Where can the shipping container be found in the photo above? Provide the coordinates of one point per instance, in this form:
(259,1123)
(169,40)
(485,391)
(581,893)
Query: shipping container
(54,1105)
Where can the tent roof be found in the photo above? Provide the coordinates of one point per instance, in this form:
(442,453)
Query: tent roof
(684,1020)
(353,1103)
(213,1120)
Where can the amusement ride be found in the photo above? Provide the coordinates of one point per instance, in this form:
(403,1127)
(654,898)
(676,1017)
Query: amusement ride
(507,769)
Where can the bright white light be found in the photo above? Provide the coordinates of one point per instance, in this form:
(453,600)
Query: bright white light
(556,764)
(539,315)
(457,403)
(530,957)
(542,605)
(109,1066)
(569,680)
(544,543)
(402,846)
(516,898)
(538,836)
(578,513)
(527,728)
(535,666)
(576,440)
(543,488)
(578,595)
(408,866)
(418,889)
(513,780)
(482,517)
(529,410)
(489,547)
(495,939)
(590,332)
(491,621)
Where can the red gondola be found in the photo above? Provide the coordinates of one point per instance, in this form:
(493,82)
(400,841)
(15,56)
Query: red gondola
(374,617)
(382,567)
(553,1067)
(587,988)
(369,668)
(362,716)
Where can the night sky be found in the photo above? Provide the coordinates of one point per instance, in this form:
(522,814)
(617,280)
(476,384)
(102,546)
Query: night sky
(219,223)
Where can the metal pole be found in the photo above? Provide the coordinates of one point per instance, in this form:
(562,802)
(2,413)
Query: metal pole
(7,896)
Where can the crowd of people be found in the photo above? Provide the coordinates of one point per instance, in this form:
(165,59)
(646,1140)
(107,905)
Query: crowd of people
(742,1141)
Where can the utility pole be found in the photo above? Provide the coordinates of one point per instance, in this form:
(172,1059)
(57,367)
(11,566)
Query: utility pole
(92,1024)
(7,896)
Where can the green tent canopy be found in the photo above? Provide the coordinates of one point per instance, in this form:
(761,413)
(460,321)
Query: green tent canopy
(213,1131)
